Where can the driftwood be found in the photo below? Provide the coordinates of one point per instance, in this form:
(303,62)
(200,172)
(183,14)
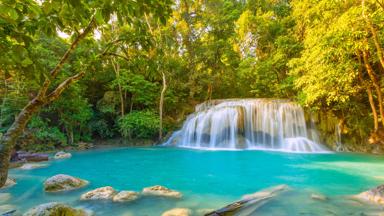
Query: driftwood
(249,203)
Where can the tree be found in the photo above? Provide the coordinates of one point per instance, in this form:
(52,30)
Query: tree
(22,21)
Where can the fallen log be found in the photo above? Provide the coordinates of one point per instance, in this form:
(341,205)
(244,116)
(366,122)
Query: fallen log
(249,203)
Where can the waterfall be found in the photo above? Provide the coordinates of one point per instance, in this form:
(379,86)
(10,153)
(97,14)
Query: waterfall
(270,124)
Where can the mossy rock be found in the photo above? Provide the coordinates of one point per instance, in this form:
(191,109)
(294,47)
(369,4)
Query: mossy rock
(63,182)
(55,209)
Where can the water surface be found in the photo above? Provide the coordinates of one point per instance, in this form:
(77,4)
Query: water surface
(208,180)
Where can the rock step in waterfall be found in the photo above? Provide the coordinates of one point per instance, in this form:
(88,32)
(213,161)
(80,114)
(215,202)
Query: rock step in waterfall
(270,124)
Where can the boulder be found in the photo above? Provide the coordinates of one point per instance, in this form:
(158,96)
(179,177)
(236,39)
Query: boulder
(319,197)
(29,166)
(102,193)
(158,190)
(178,212)
(62,155)
(29,157)
(84,146)
(374,195)
(125,196)
(7,209)
(55,208)
(62,182)
(9,183)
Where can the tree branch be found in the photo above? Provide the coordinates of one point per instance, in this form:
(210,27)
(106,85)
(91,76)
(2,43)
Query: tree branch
(380,3)
(117,55)
(53,73)
(64,85)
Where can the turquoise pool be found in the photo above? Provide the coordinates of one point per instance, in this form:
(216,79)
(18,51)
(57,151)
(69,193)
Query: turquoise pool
(208,180)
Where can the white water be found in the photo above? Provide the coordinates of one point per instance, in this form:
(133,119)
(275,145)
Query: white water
(266,124)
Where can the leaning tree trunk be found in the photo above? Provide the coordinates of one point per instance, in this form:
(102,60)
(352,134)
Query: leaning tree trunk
(161,104)
(375,83)
(7,142)
(368,88)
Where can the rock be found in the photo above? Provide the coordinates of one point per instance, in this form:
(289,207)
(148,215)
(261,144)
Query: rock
(7,209)
(9,183)
(29,157)
(375,195)
(62,155)
(269,192)
(55,208)
(178,212)
(319,197)
(125,196)
(62,182)
(29,166)
(158,190)
(84,146)
(4,197)
(99,194)
(204,211)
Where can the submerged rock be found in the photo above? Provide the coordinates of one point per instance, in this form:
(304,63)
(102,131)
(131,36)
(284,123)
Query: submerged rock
(4,197)
(62,155)
(204,211)
(375,195)
(178,212)
(62,182)
(29,166)
(158,190)
(54,208)
(9,183)
(125,196)
(7,209)
(102,193)
(319,197)
(269,192)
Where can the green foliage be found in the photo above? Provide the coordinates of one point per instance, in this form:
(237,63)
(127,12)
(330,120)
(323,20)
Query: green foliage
(44,136)
(139,124)
(306,51)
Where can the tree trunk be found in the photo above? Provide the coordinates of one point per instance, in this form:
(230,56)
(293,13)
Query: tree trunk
(7,142)
(375,83)
(161,106)
(116,68)
(374,34)
(377,43)
(370,96)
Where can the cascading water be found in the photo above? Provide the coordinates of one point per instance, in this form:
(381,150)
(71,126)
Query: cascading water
(270,124)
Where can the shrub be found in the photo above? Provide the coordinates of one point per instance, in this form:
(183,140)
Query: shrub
(139,124)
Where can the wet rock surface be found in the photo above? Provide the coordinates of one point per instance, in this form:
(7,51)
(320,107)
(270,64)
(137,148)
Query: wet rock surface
(55,209)
(62,182)
(125,196)
(22,156)
(178,212)
(9,183)
(374,195)
(62,155)
(159,190)
(103,193)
